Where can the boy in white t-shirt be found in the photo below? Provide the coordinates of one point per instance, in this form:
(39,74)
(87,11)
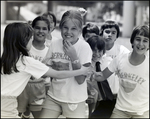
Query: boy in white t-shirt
(133,72)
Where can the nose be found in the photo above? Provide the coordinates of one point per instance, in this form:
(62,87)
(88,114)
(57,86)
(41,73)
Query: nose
(110,34)
(68,31)
(141,42)
(96,53)
(40,30)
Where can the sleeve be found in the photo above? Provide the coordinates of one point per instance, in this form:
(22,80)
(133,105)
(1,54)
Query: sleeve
(85,55)
(123,50)
(113,64)
(35,67)
(46,59)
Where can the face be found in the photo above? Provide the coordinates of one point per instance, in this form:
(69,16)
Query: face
(97,55)
(88,35)
(40,31)
(140,44)
(70,31)
(52,24)
(110,36)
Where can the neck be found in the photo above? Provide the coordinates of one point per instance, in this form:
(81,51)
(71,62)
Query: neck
(136,59)
(74,41)
(38,45)
(108,46)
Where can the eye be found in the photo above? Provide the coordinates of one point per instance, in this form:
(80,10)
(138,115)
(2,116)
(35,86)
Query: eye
(64,27)
(145,41)
(107,31)
(45,28)
(114,32)
(36,27)
(137,39)
(74,28)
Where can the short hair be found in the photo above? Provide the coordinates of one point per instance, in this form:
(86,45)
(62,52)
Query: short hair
(49,13)
(40,18)
(110,24)
(98,42)
(140,30)
(72,14)
(90,28)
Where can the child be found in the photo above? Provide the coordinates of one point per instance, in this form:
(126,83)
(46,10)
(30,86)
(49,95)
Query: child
(29,100)
(67,97)
(97,45)
(17,67)
(52,19)
(133,72)
(110,32)
(88,30)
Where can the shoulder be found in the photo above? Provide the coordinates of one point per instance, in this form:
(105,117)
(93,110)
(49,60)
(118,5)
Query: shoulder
(83,43)
(121,49)
(106,58)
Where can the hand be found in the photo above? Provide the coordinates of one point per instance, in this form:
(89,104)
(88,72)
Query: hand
(70,50)
(98,76)
(86,70)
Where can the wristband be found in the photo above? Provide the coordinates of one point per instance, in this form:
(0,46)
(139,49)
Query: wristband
(75,61)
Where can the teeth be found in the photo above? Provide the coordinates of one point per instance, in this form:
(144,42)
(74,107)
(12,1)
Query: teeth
(40,35)
(140,48)
(68,36)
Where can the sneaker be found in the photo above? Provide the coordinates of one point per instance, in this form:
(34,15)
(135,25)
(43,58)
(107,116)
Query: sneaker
(25,116)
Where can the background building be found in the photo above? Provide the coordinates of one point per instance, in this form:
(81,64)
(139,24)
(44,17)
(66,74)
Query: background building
(127,13)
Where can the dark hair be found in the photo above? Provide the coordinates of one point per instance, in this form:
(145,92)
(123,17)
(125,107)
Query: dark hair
(98,42)
(110,24)
(140,30)
(40,18)
(71,14)
(90,28)
(16,38)
(49,13)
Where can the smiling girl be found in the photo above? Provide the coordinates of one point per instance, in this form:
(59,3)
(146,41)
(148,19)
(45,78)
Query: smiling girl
(67,97)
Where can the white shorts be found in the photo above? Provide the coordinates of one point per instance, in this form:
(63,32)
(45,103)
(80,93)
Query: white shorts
(70,110)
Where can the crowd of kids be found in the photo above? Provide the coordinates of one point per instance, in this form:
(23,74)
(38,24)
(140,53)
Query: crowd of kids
(72,68)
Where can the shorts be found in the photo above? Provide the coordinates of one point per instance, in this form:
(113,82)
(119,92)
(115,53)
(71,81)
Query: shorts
(9,107)
(33,96)
(124,114)
(70,110)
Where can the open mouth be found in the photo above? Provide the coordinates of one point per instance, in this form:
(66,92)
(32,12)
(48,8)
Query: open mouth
(40,35)
(68,36)
(140,48)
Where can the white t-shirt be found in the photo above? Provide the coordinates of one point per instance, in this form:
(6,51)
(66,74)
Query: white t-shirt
(115,51)
(133,95)
(13,84)
(48,41)
(68,90)
(38,54)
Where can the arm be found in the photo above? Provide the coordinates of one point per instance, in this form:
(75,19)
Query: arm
(81,78)
(66,74)
(101,76)
(70,51)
